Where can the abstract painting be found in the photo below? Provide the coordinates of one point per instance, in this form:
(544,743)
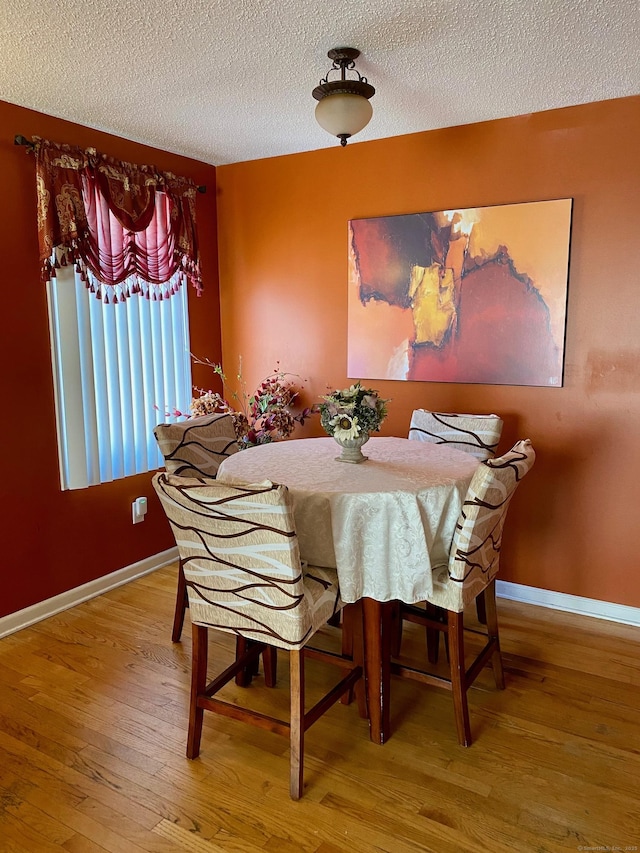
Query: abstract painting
(475,295)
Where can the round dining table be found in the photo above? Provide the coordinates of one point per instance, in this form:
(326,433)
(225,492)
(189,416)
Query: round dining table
(384,524)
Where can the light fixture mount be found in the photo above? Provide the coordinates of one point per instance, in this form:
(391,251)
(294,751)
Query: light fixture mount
(343,104)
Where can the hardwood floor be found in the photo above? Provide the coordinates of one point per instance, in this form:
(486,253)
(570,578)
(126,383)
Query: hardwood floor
(93,726)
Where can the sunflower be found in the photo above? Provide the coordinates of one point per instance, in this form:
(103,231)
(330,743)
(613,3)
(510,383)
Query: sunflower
(345,426)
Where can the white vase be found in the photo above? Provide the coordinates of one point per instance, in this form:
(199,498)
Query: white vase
(351,451)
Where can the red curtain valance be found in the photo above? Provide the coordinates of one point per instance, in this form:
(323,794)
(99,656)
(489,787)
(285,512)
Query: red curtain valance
(124,226)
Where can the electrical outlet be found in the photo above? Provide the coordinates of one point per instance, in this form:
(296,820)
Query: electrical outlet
(138,510)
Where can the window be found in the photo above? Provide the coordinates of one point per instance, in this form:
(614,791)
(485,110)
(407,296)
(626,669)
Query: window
(113,364)
(118,247)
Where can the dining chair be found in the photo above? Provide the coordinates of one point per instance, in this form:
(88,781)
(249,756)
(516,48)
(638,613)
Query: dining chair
(470,573)
(475,434)
(244,576)
(198,446)
(194,448)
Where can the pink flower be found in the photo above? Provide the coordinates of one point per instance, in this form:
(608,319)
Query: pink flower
(262,417)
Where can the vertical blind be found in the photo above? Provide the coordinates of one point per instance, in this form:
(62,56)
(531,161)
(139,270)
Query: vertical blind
(118,369)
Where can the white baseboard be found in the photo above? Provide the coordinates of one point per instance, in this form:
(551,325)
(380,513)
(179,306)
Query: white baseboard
(30,615)
(516,592)
(570,603)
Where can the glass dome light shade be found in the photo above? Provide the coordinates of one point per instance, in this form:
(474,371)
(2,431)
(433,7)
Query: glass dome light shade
(343,114)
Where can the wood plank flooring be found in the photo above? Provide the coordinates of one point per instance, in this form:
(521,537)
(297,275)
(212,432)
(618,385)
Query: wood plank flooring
(93,721)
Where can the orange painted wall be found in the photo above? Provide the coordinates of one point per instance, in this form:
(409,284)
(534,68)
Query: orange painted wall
(53,541)
(283,274)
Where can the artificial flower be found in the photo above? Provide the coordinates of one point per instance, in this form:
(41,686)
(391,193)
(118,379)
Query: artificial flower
(345,427)
(358,406)
(259,418)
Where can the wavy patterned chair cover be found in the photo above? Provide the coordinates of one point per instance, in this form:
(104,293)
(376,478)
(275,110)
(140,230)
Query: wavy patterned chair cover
(196,447)
(475,552)
(471,571)
(241,563)
(475,434)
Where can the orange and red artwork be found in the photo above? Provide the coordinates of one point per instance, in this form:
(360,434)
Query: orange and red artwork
(474,295)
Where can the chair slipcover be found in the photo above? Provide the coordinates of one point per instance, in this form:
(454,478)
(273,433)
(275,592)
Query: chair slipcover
(241,564)
(475,434)
(475,551)
(196,447)
(241,561)
(470,574)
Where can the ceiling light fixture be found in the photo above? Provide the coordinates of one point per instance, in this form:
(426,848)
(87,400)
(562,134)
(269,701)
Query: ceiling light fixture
(343,105)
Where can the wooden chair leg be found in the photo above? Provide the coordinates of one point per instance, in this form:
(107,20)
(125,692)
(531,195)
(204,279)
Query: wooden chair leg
(458,677)
(351,635)
(269,660)
(433,635)
(270,664)
(396,625)
(199,653)
(347,617)
(357,647)
(254,666)
(492,630)
(296,668)
(182,602)
(481,609)
(243,678)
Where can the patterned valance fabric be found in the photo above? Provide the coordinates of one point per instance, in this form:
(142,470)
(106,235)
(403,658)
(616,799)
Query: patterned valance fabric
(127,228)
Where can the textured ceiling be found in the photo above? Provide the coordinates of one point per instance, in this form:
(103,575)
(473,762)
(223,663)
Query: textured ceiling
(230,80)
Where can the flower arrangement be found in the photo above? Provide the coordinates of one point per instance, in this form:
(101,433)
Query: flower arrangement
(348,413)
(264,416)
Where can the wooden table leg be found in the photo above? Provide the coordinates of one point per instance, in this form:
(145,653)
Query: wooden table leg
(377,665)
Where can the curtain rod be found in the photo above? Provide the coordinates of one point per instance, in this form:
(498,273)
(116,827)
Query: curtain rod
(19,139)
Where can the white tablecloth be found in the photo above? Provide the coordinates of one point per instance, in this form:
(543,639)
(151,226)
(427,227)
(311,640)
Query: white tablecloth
(383,523)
